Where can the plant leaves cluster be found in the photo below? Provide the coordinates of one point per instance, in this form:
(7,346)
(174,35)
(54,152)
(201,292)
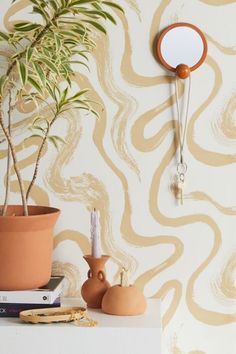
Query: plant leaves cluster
(45,51)
(40,68)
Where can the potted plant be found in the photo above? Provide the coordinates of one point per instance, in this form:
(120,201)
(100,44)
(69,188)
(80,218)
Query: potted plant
(38,68)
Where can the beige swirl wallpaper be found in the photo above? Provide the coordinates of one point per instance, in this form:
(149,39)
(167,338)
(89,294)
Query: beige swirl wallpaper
(123,164)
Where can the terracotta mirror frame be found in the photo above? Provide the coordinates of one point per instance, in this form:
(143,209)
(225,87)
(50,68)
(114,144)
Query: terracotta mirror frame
(182,69)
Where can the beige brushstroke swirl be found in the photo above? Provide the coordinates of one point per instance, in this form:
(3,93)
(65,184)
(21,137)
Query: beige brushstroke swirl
(210,158)
(127,230)
(206,316)
(126,104)
(223,49)
(15,8)
(163,292)
(135,7)
(80,239)
(156,21)
(137,131)
(126,227)
(38,195)
(225,284)
(227,123)
(177,253)
(127,70)
(87,189)
(174,347)
(201,196)
(217,2)
(72,276)
(136,238)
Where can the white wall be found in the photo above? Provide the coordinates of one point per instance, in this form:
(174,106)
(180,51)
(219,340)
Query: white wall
(124,164)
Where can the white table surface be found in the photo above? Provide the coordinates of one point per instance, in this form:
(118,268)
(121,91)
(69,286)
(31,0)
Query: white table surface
(112,335)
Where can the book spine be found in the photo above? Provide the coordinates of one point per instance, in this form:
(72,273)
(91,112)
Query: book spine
(30,296)
(13,310)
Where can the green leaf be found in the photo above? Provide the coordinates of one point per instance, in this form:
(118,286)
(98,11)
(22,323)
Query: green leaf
(40,73)
(57,42)
(21,24)
(69,81)
(41,120)
(56,140)
(35,84)
(49,64)
(95,12)
(29,54)
(37,127)
(23,72)
(27,28)
(81,54)
(79,2)
(39,11)
(3,79)
(78,94)
(53,4)
(52,91)
(69,34)
(4,36)
(64,95)
(34,2)
(81,63)
(96,25)
(112,4)
(110,17)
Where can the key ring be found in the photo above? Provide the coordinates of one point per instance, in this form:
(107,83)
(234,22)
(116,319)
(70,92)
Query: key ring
(182,168)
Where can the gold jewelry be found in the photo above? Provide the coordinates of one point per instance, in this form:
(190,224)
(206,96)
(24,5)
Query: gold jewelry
(78,315)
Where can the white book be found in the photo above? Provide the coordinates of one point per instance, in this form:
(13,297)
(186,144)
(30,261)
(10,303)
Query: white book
(44,295)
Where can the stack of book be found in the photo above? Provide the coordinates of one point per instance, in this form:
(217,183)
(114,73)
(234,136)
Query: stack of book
(13,302)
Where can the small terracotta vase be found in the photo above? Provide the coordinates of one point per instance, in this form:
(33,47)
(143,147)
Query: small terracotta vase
(26,245)
(96,285)
(124,301)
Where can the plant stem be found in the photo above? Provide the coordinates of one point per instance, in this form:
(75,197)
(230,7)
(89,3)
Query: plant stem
(6,132)
(14,158)
(7,189)
(40,155)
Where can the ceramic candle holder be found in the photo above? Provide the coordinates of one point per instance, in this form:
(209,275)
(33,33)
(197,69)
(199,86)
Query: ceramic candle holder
(124,301)
(96,285)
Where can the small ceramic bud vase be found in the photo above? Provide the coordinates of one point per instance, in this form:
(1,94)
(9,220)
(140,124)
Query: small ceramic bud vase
(96,285)
(124,300)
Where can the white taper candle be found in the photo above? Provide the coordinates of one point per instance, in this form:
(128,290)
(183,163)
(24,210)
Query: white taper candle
(95,235)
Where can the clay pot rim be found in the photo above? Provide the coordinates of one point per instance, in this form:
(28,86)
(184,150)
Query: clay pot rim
(48,211)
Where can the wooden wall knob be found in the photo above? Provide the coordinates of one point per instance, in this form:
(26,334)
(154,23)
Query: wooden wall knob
(183,71)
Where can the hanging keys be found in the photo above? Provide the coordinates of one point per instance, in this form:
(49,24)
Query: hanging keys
(181,171)
(181,188)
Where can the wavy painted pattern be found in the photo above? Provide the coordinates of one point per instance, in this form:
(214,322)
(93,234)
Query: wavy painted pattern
(123,164)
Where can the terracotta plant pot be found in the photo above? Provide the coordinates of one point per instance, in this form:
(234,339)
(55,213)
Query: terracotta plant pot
(96,285)
(124,301)
(26,244)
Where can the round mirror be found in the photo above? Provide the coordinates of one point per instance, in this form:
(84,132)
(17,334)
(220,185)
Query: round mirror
(181,43)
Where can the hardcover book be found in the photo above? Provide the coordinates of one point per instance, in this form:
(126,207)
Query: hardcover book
(13,310)
(44,295)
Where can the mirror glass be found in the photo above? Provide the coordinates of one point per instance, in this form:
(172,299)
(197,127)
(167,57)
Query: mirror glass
(181,44)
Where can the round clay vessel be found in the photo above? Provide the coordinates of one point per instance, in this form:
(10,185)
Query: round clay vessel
(26,244)
(124,301)
(96,285)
